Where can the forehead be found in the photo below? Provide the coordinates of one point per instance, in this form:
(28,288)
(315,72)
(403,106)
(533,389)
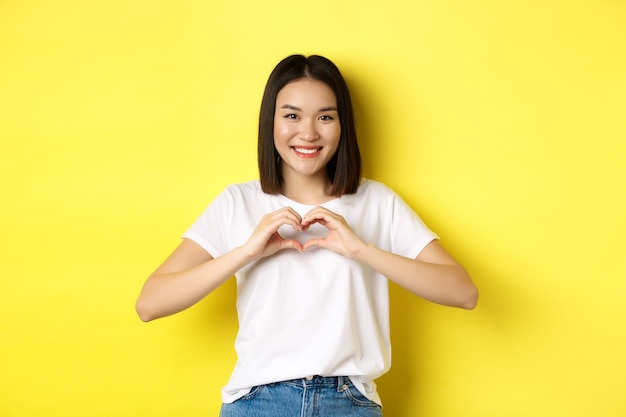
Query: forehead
(306,90)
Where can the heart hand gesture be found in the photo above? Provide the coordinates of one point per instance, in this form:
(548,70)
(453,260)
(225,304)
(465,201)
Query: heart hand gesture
(341,239)
(266,240)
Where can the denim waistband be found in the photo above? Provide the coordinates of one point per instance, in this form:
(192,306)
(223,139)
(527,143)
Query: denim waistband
(319,381)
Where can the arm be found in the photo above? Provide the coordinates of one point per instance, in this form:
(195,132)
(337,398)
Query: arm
(187,275)
(190,273)
(433,275)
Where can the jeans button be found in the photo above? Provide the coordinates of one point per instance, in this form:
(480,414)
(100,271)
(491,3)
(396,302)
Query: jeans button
(309,378)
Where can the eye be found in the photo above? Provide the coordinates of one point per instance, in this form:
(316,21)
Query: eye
(291,116)
(326,118)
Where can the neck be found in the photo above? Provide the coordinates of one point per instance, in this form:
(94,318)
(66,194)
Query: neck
(308,190)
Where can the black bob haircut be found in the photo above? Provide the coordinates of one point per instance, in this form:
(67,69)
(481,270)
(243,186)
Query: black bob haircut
(344,168)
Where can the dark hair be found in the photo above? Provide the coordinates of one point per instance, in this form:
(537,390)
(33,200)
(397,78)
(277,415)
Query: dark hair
(344,168)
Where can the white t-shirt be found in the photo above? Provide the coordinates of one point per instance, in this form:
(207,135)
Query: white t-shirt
(311,313)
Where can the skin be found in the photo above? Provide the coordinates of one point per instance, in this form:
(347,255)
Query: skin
(306,136)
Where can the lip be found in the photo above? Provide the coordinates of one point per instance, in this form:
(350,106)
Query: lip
(307,151)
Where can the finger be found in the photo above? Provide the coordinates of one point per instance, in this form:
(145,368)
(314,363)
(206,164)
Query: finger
(318,215)
(292,244)
(295,223)
(325,219)
(315,211)
(305,226)
(288,216)
(315,242)
(285,218)
(290,211)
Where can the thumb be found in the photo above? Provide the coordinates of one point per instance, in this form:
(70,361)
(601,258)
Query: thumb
(291,244)
(315,242)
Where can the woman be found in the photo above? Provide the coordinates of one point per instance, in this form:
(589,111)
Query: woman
(312,246)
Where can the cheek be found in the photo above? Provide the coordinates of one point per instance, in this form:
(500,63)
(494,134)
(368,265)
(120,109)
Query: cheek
(280,130)
(333,132)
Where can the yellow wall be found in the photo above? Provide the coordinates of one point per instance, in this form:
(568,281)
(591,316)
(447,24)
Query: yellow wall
(501,122)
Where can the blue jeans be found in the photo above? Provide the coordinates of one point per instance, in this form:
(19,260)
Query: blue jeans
(316,397)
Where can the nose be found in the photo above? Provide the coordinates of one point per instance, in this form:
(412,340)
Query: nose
(308,131)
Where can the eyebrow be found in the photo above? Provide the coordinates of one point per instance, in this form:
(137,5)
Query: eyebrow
(323,109)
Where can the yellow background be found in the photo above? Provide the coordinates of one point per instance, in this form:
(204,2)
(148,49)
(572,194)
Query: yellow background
(501,122)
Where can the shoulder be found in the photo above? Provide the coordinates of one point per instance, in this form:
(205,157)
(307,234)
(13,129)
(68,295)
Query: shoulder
(244,189)
(370,188)
(237,194)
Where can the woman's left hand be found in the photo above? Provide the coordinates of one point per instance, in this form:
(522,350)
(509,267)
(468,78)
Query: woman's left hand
(433,274)
(340,239)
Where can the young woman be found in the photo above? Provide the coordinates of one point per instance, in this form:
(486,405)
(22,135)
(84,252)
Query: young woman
(312,246)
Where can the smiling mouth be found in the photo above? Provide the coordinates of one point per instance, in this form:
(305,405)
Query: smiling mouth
(306,151)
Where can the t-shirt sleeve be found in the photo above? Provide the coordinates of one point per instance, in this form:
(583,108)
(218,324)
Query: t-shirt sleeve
(210,229)
(409,234)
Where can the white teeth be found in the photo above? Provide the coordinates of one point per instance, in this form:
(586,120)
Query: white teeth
(306,151)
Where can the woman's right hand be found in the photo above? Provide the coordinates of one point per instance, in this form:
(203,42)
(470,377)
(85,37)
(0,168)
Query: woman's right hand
(190,272)
(265,240)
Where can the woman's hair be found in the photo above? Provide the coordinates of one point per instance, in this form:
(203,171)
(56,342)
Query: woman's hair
(344,168)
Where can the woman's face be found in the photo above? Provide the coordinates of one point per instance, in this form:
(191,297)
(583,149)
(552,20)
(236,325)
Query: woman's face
(306,127)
